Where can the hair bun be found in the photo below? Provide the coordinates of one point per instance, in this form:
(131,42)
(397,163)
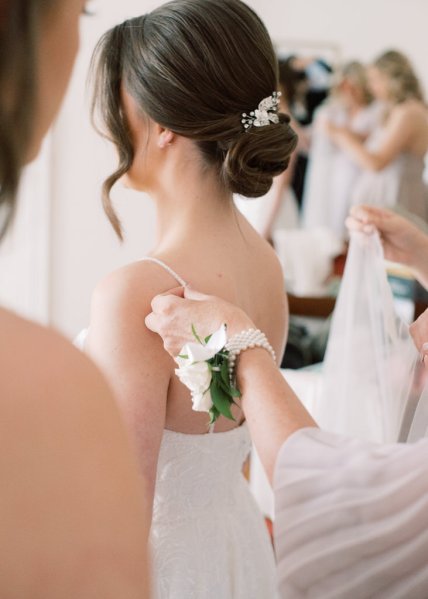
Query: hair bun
(257,156)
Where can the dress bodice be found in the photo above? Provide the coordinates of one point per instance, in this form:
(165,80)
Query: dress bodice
(199,470)
(208,538)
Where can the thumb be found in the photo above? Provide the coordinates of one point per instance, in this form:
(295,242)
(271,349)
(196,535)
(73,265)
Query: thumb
(178,291)
(192,294)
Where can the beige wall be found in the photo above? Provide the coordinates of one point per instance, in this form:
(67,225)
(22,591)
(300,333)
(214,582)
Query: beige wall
(362,28)
(82,245)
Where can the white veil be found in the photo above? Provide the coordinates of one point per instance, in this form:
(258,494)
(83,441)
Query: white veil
(370,381)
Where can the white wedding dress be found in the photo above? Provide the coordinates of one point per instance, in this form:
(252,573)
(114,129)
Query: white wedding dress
(208,537)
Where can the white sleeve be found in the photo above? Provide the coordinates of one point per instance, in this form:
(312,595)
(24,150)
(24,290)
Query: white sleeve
(351,518)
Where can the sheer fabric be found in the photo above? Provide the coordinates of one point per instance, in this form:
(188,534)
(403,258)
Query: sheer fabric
(370,363)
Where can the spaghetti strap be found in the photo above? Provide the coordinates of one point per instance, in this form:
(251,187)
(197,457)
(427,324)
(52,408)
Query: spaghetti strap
(168,269)
(179,280)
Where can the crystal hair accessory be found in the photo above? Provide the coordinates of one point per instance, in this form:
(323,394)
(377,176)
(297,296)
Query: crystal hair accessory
(264,115)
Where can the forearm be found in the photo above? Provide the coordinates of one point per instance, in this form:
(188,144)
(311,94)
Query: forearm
(357,151)
(272,409)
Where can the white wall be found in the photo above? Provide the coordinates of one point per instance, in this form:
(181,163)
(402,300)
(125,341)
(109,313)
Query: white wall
(25,251)
(83,246)
(361,28)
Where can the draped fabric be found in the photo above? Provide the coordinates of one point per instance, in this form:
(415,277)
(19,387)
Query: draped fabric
(351,518)
(369,371)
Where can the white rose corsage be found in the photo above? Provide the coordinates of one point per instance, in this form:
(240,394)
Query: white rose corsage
(204,369)
(207,368)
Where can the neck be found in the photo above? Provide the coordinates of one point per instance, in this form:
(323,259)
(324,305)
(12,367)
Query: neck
(190,204)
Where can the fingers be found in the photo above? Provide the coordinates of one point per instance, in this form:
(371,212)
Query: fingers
(381,218)
(178,291)
(192,294)
(152,322)
(165,302)
(424,354)
(353,224)
(419,333)
(367,219)
(163,305)
(158,324)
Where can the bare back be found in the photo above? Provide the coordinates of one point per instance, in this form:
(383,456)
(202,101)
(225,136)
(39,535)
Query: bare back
(245,271)
(412,120)
(218,253)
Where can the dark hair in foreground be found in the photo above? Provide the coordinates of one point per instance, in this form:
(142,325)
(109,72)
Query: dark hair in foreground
(19,29)
(22,23)
(194,66)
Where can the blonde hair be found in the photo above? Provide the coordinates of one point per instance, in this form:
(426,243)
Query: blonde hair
(403,82)
(355,72)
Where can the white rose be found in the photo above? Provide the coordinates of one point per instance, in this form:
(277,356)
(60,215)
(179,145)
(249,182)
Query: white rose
(195,352)
(196,377)
(194,371)
(202,402)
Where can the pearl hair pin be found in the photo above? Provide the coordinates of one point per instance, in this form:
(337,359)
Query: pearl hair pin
(247,339)
(264,115)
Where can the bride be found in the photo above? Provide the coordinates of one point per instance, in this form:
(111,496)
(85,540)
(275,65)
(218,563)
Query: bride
(171,89)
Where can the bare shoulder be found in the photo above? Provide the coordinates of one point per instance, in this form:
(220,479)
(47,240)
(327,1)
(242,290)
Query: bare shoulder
(271,268)
(41,361)
(411,111)
(133,286)
(118,336)
(261,253)
(64,450)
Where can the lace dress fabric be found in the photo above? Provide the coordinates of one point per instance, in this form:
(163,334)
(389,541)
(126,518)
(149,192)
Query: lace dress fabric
(208,537)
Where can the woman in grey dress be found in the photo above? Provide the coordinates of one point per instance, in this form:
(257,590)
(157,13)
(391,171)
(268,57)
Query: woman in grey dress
(392,158)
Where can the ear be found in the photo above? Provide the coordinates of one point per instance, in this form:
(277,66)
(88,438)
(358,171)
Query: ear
(165,137)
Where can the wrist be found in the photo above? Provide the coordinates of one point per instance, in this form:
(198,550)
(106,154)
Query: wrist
(255,357)
(238,321)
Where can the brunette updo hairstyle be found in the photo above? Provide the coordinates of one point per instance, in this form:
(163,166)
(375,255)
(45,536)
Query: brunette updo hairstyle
(194,66)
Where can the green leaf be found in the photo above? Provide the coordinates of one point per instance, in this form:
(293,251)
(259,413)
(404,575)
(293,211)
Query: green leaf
(183,357)
(226,387)
(221,400)
(235,392)
(225,373)
(214,414)
(195,334)
(208,338)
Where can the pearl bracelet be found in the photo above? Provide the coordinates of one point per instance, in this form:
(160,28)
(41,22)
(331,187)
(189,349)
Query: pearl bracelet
(248,339)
